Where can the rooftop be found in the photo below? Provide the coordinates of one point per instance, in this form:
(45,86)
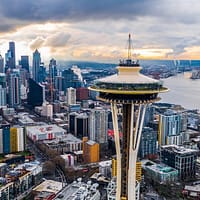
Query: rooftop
(45,129)
(178,149)
(49,186)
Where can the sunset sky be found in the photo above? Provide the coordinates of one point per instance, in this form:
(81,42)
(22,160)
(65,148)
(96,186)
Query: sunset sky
(98,30)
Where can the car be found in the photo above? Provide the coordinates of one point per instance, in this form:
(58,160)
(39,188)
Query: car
(60,196)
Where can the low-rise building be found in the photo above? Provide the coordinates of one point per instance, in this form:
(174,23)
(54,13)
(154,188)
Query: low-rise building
(80,190)
(44,132)
(192,191)
(160,173)
(180,158)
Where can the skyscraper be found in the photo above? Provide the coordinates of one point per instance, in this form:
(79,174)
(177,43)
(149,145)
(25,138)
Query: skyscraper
(1,64)
(98,125)
(3,99)
(71,95)
(52,75)
(12,50)
(24,62)
(81,125)
(148,142)
(134,91)
(2,96)
(36,65)
(14,84)
(169,128)
(70,79)
(10,57)
(35,98)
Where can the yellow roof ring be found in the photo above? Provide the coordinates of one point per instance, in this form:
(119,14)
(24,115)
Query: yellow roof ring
(129,92)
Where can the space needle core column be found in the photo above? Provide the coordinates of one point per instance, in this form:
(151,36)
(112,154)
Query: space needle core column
(133,91)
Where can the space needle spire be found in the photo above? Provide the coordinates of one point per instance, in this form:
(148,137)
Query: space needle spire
(134,92)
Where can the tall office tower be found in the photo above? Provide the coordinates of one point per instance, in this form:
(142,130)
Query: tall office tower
(10,57)
(3,91)
(147,148)
(12,50)
(180,158)
(52,70)
(71,95)
(24,77)
(24,62)
(52,75)
(6,139)
(42,73)
(1,64)
(70,79)
(81,125)
(3,80)
(82,94)
(14,85)
(36,65)
(2,96)
(169,128)
(98,125)
(58,83)
(35,98)
(7,60)
(134,91)
(72,117)
(149,115)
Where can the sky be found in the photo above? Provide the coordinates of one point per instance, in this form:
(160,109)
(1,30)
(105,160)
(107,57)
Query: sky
(91,30)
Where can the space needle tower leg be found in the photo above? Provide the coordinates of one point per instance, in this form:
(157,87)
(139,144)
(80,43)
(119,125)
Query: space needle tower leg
(117,147)
(135,135)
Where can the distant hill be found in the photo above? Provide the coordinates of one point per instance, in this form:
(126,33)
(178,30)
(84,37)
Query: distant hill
(145,63)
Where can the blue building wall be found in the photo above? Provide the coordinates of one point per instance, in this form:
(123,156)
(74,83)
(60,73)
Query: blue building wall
(6,140)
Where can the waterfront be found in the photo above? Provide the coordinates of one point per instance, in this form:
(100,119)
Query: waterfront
(183,91)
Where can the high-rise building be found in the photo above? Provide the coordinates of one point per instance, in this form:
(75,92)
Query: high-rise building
(82,94)
(3,80)
(58,83)
(12,50)
(133,91)
(1,64)
(52,70)
(10,57)
(6,139)
(14,85)
(42,73)
(81,125)
(90,151)
(169,128)
(71,96)
(70,79)
(148,143)
(72,117)
(24,62)
(52,75)
(3,101)
(98,125)
(36,65)
(180,158)
(36,98)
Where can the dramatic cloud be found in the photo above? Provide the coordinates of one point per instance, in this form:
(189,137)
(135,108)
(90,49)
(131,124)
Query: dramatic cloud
(37,43)
(58,40)
(89,29)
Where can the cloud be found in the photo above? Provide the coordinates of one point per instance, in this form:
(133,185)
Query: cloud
(40,11)
(58,40)
(37,43)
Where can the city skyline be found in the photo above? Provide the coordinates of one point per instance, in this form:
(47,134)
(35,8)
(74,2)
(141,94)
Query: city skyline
(95,31)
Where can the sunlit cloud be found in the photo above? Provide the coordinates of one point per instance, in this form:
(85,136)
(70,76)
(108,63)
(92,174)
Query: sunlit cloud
(98,30)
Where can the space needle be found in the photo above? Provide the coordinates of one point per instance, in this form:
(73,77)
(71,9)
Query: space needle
(133,91)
